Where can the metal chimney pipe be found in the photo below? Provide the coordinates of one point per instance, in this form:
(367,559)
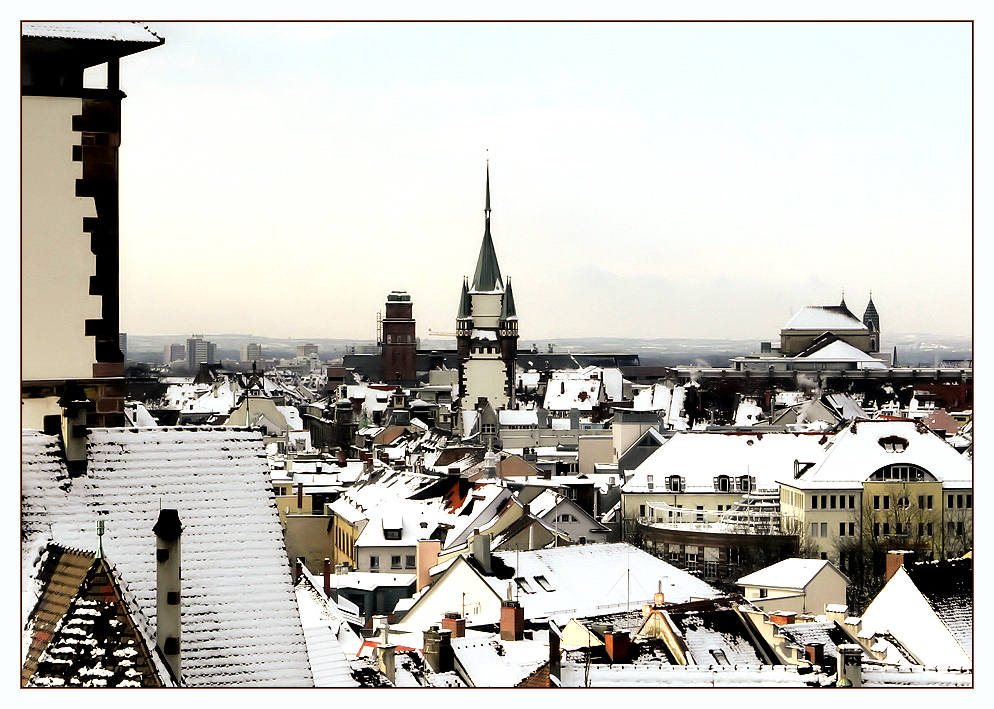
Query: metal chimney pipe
(167,588)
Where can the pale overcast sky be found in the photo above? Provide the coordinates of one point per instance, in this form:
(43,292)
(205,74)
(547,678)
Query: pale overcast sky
(648,180)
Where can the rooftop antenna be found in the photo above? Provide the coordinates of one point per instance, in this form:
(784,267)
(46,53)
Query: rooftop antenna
(100,539)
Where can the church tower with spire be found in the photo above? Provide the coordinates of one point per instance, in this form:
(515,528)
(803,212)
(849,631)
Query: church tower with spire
(872,322)
(486,330)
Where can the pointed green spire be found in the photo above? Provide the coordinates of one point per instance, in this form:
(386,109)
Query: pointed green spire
(487,275)
(465,303)
(507,311)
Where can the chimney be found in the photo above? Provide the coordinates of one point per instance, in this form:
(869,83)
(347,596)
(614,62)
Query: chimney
(815,653)
(555,661)
(782,618)
(616,645)
(438,649)
(574,419)
(327,577)
(455,624)
(512,620)
(167,588)
(341,458)
(659,598)
(480,550)
(562,386)
(850,667)
(300,496)
(298,569)
(388,662)
(427,557)
(895,560)
(72,426)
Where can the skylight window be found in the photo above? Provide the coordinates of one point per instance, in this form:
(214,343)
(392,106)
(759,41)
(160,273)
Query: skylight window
(893,444)
(544,583)
(523,584)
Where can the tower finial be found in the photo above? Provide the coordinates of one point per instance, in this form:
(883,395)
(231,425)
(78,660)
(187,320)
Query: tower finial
(487,207)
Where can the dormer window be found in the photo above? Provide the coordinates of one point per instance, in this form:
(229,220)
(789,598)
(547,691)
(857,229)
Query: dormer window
(675,483)
(745,484)
(893,444)
(393,534)
(722,483)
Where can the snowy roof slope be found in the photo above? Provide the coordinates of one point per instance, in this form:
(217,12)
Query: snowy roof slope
(492,662)
(700,456)
(327,658)
(789,573)
(240,622)
(856,453)
(660,675)
(841,351)
(114,31)
(823,317)
(577,592)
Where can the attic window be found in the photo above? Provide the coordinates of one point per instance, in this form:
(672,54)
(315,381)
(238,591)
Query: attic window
(544,583)
(391,534)
(893,444)
(523,584)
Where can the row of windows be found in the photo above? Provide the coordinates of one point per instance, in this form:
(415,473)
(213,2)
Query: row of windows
(828,502)
(960,500)
(374,562)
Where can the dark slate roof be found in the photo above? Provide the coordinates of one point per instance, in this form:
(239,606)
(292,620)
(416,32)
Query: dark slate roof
(240,621)
(86,630)
(948,588)
(487,276)
(870,314)
(829,633)
(507,310)
(465,302)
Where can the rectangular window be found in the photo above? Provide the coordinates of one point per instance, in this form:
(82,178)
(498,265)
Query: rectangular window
(831,502)
(814,529)
(876,529)
(374,563)
(876,502)
(921,529)
(691,562)
(700,513)
(959,501)
(641,510)
(969,500)
(929,502)
(949,501)
(897,528)
(886,502)
(886,528)
(824,529)
(814,502)
(951,529)
(823,501)
(409,561)
(921,502)
(763,592)
(852,529)
(394,562)
(928,528)
(959,529)
(842,529)
(852,502)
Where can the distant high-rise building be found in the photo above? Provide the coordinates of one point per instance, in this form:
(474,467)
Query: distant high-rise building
(70,136)
(397,340)
(199,350)
(173,353)
(308,350)
(252,352)
(487,330)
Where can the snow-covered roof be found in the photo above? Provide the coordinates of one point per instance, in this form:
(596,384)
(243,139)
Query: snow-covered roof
(856,452)
(699,456)
(790,573)
(518,417)
(112,31)
(491,662)
(565,394)
(240,622)
(823,317)
(841,351)
(329,665)
(625,576)
(662,675)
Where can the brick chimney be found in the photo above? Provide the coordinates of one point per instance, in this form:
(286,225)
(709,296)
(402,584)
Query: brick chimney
(327,577)
(454,623)
(167,588)
(895,560)
(616,644)
(815,653)
(512,620)
(341,458)
(782,617)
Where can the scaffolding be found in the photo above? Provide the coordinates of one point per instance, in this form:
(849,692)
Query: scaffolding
(753,513)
